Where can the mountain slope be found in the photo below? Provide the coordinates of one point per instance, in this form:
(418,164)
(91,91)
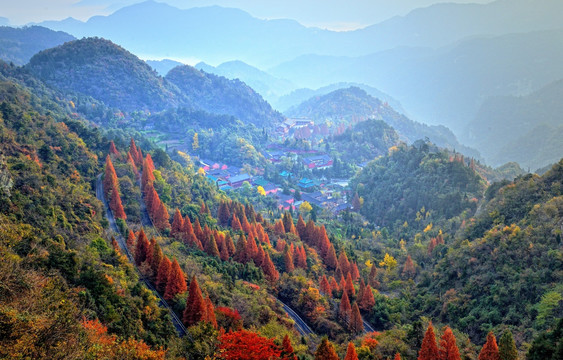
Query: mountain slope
(18,45)
(355,103)
(99,68)
(218,95)
(524,129)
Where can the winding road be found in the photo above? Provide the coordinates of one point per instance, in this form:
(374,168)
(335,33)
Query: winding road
(180,328)
(300,325)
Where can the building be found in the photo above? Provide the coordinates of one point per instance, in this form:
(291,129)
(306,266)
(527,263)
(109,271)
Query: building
(237,181)
(322,161)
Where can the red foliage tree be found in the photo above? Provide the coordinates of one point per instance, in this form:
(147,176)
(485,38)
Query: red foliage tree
(288,259)
(356,324)
(137,158)
(354,271)
(230,245)
(211,247)
(142,248)
(330,260)
(372,278)
(115,205)
(333,285)
(368,301)
(110,177)
(195,310)
(235,223)
(345,309)
(113,149)
(301,228)
(270,270)
(301,258)
(429,348)
(344,263)
(156,256)
(397,356)
(448,346)
(350,286)
(326,351)
(246,345)
(163,275)
(240,252)
(408,268)
(130,240)
(177,223)
(287,352)
(131,163)
(324,286)
(161,218)
(490,349)
(351,352)
(229,319)
(176,282)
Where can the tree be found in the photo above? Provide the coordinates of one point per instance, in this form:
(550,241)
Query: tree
(507,347)
(110,177)
(490,349)
(345,309)
(287,352)
(130,240)
(356,203)
(113,149)
(142,248)
(408,268)
(270,270)
(115,204)
(195,306)
(176,282)
(163,275)
(161,218)
(211,247)
(397,356)
(372,278)
(350,286)
(177,223)
(331,261)
(356,323)
(288,259)
(326,351)
(351,352)
(305,208)
(247,345)
(344,263)
(448,346)
(368,301)
(210,313)
(195,142)
(388,262)
(429,349)
(324,286)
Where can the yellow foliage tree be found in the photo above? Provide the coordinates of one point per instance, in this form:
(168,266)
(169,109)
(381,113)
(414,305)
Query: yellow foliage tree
(388,262)
(261,190)
(305,207)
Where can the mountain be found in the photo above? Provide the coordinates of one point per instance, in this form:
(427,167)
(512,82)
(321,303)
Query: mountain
(270,87)
(355,104)
(162,67)
(525,129)
(298,96)
(156,29)
(428,84)
(218,95)
(18,45)
(107,72)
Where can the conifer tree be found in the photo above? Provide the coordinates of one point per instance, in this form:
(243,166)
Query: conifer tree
(309,233)
(279,228)
(330,260)
(326,351)
(240,253)
(133,150)
(210,312)
(130,240)
(448,346)
(301,228)
(142,248)
(113,149)
(333,284)
(211,247)
(351,352)
(361,291)
(177,223)
(156,257)
(287,352)
(163,274)
(490,349)
(235,223)
(354,271)
(195,310)
(230,245)
(408,268)
(260,257)
(288,259)
(270,270)
(356,323)
(110,177)
(301,260)
(223,214)
(161,218)
(343,263)
(397,356)
(115,204)
(176,282)
(429,348)
(324,286)
(345,309)
(131,163)
(368,301)
(350,286)
(372,279)
(187,229)
(198,231)
(251,248)
(507,347)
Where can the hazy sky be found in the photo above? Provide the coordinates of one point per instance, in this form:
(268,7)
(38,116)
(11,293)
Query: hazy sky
(334,14)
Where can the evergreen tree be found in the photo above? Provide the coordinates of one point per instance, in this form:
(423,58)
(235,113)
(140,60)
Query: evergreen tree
(177,223)
(270,270)
(110,177)
(195,310)
(345,309)
(142,248)
(490,349)
(115,204)
(507,347)
(344,263)
(330,260)
(351,352)
(429,348)
(326,351)
(350,286)
(448,346)
(163,274)
(324,286)
(176,282)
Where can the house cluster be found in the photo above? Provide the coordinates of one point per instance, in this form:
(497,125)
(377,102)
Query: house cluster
(311,159)
(290,125)
(226,177)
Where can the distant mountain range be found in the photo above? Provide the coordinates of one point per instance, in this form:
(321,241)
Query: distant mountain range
(163,66)
(527,129)
(18,45)
(355,104)
(215,34)
(108,73)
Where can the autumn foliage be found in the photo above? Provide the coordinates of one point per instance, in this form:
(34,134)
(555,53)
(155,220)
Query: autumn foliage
(429,349)
(448,346)
(490,349)
(247,345)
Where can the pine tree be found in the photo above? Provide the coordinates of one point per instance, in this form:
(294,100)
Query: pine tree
(161,218)
(350,286)
(301,228)
(176,282)
(429,348)
(490,349)
(131,163)
(142,248)
(356,324)
(345,309)
(195,309)
(507,347)
(156,257)
(240,252)
(372,279)
(448,346)
(344,263)
(116,206)
(397,356)
(354,271)
(287,352)
(330,260)
(212,248)
(163,275)
(326,351)
(351,352)
(113,149)
(210,313)
(110,177)
(177,223)
(130,240)
(270,270)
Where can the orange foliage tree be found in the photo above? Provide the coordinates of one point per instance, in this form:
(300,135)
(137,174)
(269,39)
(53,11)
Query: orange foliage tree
(176,282)
(351,352)
(448,346)
(326,351)
(429,348)
(195,310)
(490,349)
(247,345)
